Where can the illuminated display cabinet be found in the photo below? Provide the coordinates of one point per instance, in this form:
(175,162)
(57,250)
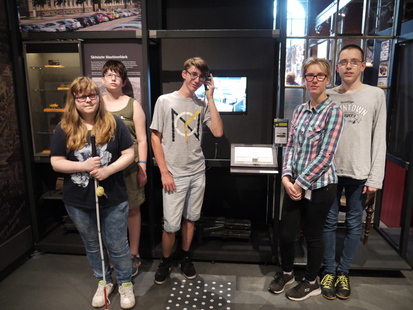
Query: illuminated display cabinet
(50,69)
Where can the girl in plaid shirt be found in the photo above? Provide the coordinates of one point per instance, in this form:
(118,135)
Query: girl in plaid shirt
(309,179)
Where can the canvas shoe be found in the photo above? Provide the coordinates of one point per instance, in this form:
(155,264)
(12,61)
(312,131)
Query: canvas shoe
(163,271)
(187,268)
(136,262)
(280,281)
(127,296)
(303,291)
(99,298)
(342,286)
(328,289)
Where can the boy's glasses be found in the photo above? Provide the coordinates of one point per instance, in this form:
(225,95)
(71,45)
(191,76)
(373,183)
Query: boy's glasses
(194,76)
(354,63)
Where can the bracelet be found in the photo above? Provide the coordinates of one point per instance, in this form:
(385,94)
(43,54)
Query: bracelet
(142,161)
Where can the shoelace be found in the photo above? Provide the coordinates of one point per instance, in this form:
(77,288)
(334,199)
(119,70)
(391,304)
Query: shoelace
(327,280)
(344,282)
(100,292)
(126,291)
(280,277)
(298,287)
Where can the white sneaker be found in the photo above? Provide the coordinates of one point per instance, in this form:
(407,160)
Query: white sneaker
(99,298)
(127,296)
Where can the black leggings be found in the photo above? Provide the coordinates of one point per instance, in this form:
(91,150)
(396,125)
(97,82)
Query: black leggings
(313,214)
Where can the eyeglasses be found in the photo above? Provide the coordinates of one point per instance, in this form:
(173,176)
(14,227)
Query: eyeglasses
(83,98)
(320,77)
(110,76)
(354,63)
(194,76)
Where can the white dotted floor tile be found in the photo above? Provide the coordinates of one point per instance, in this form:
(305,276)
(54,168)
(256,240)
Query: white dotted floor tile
(205,292)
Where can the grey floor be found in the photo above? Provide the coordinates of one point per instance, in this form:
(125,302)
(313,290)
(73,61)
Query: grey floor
(52,281)
(379,279)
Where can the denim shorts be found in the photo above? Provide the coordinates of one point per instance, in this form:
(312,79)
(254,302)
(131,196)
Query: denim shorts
(186,200)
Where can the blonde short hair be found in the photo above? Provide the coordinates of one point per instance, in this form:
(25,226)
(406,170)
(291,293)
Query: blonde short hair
(324,63)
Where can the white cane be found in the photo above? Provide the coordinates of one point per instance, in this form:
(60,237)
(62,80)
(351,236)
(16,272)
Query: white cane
(93,142)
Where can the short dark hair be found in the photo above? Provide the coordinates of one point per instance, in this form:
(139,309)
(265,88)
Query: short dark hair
(351,46)
(115,66)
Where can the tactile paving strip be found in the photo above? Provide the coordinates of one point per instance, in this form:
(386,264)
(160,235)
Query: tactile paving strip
(205,292)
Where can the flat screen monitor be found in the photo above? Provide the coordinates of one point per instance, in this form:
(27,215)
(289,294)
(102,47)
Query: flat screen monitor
(230,94)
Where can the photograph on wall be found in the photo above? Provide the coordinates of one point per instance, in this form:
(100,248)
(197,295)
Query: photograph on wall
(382,80)
(383,69)
(130,54)
(80,15)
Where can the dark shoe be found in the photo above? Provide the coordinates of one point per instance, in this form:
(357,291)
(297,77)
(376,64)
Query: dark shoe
(136,262)
(163,271)
(187,268)
(280,281)
(303,291)
(327,286)
(342,286)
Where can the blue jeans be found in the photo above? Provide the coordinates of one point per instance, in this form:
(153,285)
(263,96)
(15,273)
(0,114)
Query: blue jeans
(113,225)
(355,202)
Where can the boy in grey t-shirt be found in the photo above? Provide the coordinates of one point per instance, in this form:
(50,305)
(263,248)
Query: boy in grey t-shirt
(176,141)
(360,161)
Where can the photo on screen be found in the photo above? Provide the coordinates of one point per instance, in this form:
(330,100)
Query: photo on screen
(230,94)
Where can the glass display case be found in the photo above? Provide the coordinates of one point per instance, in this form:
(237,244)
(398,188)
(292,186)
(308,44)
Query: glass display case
(50,69)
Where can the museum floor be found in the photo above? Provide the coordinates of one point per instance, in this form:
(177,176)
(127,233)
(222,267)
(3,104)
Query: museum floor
(379,279)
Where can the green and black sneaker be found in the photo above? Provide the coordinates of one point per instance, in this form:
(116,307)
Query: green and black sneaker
(328,289)
(342,285)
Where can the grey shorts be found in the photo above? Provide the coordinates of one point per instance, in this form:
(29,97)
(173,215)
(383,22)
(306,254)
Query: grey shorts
(186,200)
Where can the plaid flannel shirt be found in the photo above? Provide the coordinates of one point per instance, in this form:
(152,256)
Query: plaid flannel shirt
(313,140)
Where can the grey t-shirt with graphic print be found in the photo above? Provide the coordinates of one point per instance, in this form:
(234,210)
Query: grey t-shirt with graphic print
(181,121)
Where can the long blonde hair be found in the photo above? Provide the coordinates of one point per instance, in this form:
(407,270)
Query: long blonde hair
(74,125)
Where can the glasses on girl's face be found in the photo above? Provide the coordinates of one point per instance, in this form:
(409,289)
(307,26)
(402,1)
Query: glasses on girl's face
(84,97)
(111,76)
(194,76)
(319,77)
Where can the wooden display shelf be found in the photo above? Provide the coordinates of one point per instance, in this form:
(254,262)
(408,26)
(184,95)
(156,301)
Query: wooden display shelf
(53,110)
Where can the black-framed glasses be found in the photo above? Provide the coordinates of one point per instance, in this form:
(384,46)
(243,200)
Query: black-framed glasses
(194,76)
(319,77)
(83,98)
(354,63)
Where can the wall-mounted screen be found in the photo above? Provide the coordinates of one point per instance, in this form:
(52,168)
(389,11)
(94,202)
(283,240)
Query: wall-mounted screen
(230,94)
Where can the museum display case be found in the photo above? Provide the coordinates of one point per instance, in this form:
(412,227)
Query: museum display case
(50,69)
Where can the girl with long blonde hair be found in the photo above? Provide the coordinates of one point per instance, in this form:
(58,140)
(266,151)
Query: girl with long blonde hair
(71,155)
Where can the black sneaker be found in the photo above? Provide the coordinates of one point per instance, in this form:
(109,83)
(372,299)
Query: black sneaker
(280,281)
(303,291)
(136,262)
(342,286)
(163,271)
(327,286)
(187,268)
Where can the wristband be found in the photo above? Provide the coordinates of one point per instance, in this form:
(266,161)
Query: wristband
(142,161)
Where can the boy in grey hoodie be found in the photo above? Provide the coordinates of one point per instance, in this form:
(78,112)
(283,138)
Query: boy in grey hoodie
(360,161)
